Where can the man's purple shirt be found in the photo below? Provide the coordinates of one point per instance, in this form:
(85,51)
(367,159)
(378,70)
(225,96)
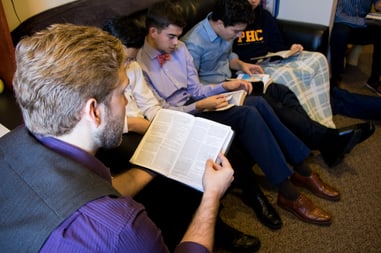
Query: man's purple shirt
(107,224)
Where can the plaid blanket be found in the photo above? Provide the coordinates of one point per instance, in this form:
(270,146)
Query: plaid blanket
(307,75)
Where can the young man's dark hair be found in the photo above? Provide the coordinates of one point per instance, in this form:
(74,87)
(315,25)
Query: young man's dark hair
(173,15)
(122,27)
(232,12)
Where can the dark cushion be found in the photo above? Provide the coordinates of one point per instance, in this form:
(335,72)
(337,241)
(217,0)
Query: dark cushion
(313,37)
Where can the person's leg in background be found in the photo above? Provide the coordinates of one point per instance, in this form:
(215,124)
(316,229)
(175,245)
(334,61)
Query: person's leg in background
(252,195)
(341,36)
(332,143)
(374,36)
(338,46)
(355,105)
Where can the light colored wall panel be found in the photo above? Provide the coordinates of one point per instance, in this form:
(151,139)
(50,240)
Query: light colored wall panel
(309,11)
(21,10)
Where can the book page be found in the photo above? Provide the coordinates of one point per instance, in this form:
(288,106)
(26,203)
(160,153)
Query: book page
(178,144)
(206,140)
(284,54)
(3,130)
(160,145)
(374,15)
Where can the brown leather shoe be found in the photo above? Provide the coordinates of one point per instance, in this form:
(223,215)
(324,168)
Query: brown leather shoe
(314,184)
(304,209)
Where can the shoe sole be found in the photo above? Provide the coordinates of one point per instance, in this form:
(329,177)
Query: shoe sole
(373,89)
(322,223)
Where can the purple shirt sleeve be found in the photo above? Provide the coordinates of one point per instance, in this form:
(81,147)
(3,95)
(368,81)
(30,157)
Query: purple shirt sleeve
(107,225)
(111,225)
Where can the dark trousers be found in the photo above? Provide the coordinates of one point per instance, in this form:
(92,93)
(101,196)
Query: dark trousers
(355,105)
(342,35)
(266,139)
(287,107)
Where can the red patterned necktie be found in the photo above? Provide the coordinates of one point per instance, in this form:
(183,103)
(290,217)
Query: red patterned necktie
(162,58)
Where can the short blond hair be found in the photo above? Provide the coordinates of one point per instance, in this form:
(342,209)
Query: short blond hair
(59,69)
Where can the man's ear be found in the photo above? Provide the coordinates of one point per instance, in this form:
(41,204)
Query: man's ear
(153,31)
(93,112)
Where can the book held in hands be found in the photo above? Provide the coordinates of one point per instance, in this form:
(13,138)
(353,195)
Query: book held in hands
(373,18)
(374,15)
(284,54)
(178,144)
(236,97)
(260,82)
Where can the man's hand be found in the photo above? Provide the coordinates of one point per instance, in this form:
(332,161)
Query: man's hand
(299,48)
(212,102)
(238,84)
(252,68)
(218,177)
(248,68)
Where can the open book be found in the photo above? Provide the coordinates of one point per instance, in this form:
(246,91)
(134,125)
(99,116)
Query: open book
(277,55)
(234,98)
(374,15)
(373,18)
(260,82)
(178,144)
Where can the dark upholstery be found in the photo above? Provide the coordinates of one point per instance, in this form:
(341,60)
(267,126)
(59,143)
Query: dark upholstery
(81,12)
(95,12)
(10,113)
(313,37)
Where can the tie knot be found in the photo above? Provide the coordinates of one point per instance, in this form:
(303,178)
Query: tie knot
(162,58)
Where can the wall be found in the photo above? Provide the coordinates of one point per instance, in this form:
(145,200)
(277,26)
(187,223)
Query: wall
(26,9)
(309,11)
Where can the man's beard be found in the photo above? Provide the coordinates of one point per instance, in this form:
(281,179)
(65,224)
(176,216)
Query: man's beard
(110,135)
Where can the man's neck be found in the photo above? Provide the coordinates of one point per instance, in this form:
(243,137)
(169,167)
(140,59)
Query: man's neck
(80,139)
(151,42)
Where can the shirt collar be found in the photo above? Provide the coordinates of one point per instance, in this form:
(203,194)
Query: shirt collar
(212,35)
(76,154)
(152,52)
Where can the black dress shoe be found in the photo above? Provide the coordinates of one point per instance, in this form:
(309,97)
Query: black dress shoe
(364,131)
(335,146)
(333,151)
(233,240)
(264,211)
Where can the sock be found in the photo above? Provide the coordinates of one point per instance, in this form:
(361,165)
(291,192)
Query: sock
(303,169)
(288,190)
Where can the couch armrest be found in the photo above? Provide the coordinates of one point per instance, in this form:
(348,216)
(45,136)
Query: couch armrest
(10,113)
(313,37)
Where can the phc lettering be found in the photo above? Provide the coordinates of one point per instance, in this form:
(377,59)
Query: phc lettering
(251,36)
